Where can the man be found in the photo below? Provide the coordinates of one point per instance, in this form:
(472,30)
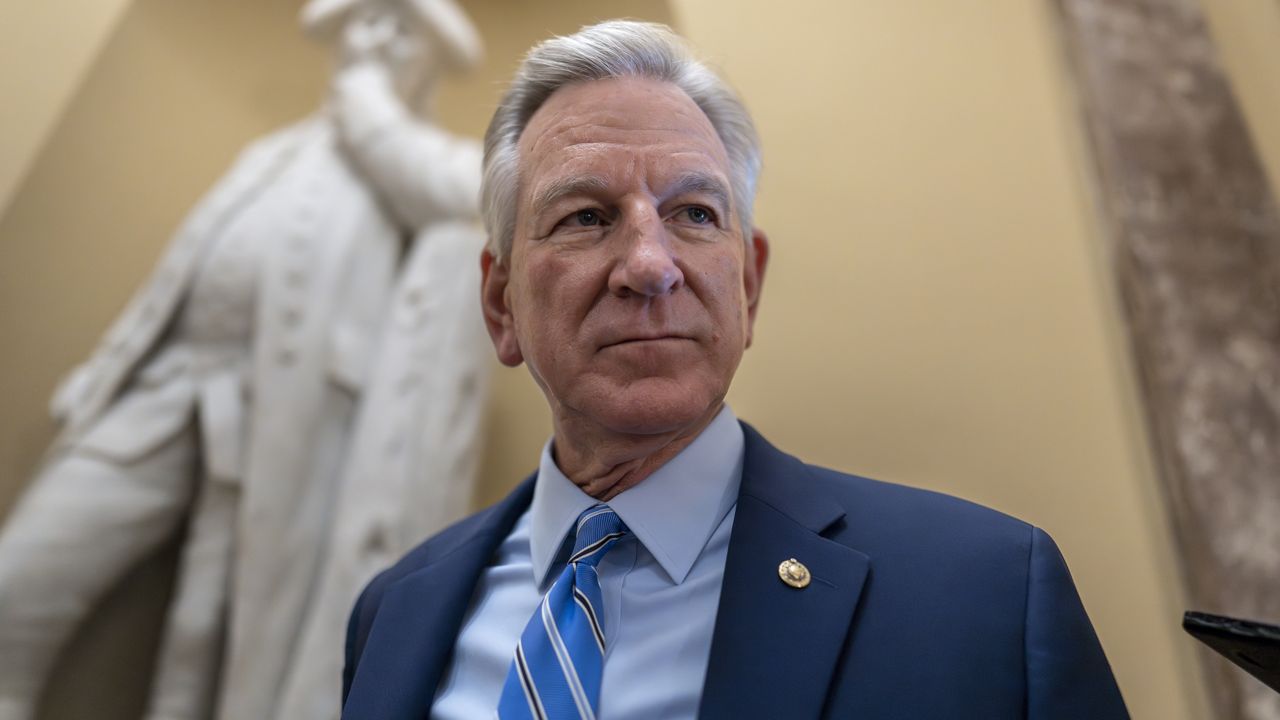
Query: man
(665,561)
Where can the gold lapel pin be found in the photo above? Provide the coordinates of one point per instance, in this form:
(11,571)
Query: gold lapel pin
(794,573)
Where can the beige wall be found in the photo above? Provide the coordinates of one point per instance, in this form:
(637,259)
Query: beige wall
(1248,37)
(937,310)
(35,100)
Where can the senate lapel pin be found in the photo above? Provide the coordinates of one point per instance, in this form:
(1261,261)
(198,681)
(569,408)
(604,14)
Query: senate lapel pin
(794,573)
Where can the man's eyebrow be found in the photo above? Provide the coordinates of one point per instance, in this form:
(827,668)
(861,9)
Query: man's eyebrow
(701,183)
(566,186)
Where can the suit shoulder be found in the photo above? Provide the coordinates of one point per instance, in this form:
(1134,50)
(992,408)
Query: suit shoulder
(877,514)
(900,513)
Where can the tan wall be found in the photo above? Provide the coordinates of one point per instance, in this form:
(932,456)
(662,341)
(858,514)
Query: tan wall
(35,100)
(1248,37)
(937,311)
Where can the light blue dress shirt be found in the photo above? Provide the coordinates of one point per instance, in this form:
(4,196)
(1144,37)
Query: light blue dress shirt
(661,584)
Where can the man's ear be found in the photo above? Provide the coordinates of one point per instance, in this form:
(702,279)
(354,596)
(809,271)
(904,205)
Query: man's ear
(753,267)
(495,275)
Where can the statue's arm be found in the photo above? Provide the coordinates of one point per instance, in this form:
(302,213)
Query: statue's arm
(424,173)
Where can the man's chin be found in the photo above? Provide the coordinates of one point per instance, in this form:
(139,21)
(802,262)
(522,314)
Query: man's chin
(656,410)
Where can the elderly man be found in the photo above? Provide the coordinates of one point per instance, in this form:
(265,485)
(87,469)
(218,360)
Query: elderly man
(665,561)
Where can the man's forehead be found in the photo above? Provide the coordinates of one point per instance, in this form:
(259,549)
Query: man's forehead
(585,120)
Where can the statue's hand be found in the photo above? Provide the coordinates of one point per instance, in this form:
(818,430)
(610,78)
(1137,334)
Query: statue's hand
(362,78)
(363,98)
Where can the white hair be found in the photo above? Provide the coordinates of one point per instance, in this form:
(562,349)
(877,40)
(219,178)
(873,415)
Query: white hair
(613,49)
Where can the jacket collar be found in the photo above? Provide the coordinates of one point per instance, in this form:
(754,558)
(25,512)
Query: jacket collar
(672,515)
(764,628)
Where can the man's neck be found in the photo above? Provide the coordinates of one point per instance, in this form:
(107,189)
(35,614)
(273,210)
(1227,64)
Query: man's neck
(604,463)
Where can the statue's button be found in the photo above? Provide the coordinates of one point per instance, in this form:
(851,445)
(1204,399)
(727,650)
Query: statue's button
(377,540)
(794,573)
(292,317)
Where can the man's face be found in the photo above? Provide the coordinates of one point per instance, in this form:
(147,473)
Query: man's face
(630,291)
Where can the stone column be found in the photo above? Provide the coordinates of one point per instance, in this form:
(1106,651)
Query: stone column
(1194,242)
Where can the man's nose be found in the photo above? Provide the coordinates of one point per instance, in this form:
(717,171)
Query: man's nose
(647,265)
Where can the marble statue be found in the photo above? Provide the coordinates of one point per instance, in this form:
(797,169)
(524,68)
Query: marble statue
(297,377)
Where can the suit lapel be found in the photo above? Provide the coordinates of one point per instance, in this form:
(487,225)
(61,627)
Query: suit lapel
(774,648)
(418,620)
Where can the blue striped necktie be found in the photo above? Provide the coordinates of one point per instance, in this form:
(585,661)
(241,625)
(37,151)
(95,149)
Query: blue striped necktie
(560,657)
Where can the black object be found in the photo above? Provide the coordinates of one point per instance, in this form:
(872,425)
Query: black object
(1253,646)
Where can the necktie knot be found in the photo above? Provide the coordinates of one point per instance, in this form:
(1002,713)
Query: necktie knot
(598,528)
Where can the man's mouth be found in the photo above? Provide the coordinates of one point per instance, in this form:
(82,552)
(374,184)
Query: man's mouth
(644,339)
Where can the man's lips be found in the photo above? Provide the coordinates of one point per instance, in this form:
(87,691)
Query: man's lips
(640,339)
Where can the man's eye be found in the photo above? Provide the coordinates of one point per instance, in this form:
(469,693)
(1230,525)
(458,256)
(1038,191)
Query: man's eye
(584,218)
(698,215)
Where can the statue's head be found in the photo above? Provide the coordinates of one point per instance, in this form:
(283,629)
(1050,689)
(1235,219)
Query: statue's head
(416,39)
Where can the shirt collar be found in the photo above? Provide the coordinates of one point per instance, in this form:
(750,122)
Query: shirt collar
(673,512)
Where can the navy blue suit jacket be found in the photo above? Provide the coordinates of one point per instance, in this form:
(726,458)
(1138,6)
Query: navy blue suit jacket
(920,606)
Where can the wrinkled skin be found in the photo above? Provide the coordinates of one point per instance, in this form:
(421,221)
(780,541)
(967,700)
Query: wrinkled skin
(630,290)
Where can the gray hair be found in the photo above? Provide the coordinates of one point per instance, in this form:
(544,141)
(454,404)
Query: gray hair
(617,48)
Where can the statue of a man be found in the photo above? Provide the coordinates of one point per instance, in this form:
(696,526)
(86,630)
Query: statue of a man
(229,386)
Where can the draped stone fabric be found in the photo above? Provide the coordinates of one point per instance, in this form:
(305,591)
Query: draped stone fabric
(1194,241)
